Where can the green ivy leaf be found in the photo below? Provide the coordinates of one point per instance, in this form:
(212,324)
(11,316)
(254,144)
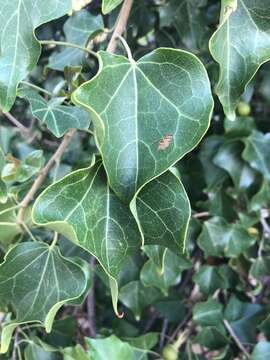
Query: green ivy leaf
(163,212)
(109,5)
(208,313)
(257,152)
(212,338)
(260,267)
(208,279)
(229,158)
(188,19)
(20,49)
(240,45)
(136,297)
(262,198)
(22,170)
(118,350)
(37,280)
(78,29)
(156,254)
(261,351)
(174,265)
(9,228)
(82,207)
(218,238)
(213,174)
(143,118)
(142,344)
(58,118)
(240,315)
(34,352)
(75,353)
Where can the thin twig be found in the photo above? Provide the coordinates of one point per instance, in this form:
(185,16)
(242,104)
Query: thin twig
(43,173)
(64,43)
(38,88)
(266,227)
(121,24)
(16,122)
(201,214)
(91,305)
(163,333)
(235,338)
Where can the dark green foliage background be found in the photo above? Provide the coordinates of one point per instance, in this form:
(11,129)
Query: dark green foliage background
(217,296)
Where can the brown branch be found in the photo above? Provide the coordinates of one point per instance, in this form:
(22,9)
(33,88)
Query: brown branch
(91,304)
(120,26)
(43,173)
(235,338)
(16,122)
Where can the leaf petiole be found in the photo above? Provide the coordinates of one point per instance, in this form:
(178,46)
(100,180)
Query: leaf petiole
(68,44)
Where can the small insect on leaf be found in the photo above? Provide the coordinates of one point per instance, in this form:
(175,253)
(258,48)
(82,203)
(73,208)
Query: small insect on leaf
(165,142)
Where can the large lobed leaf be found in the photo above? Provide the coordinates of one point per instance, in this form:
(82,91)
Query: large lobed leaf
(82,207)
(20,49)
(147,114)
(240,45)
(36,280)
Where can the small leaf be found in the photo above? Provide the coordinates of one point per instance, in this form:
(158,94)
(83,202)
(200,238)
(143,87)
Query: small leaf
(208,279)
(213,174)
(208,313)
(261,351)
(143,118)
(240,315)
(58,118)
(136,297)
(212,338)
(156,254)
(82,207)
(261,199)
(174,265)
(257,152)
(218,238)
(238,49)
(37,284)
(229,158)
(118,350)
(20,50)
(34,352)
(163,212)
(78,29)
(188,19)
(109,5)
(75,353)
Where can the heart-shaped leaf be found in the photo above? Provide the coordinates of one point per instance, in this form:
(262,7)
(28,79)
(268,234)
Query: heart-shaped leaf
(58,118)
(147,114)
(82,207)
(36,280)
(79,28)
(218,238)
(20,49)
(240,45)
(163,212)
